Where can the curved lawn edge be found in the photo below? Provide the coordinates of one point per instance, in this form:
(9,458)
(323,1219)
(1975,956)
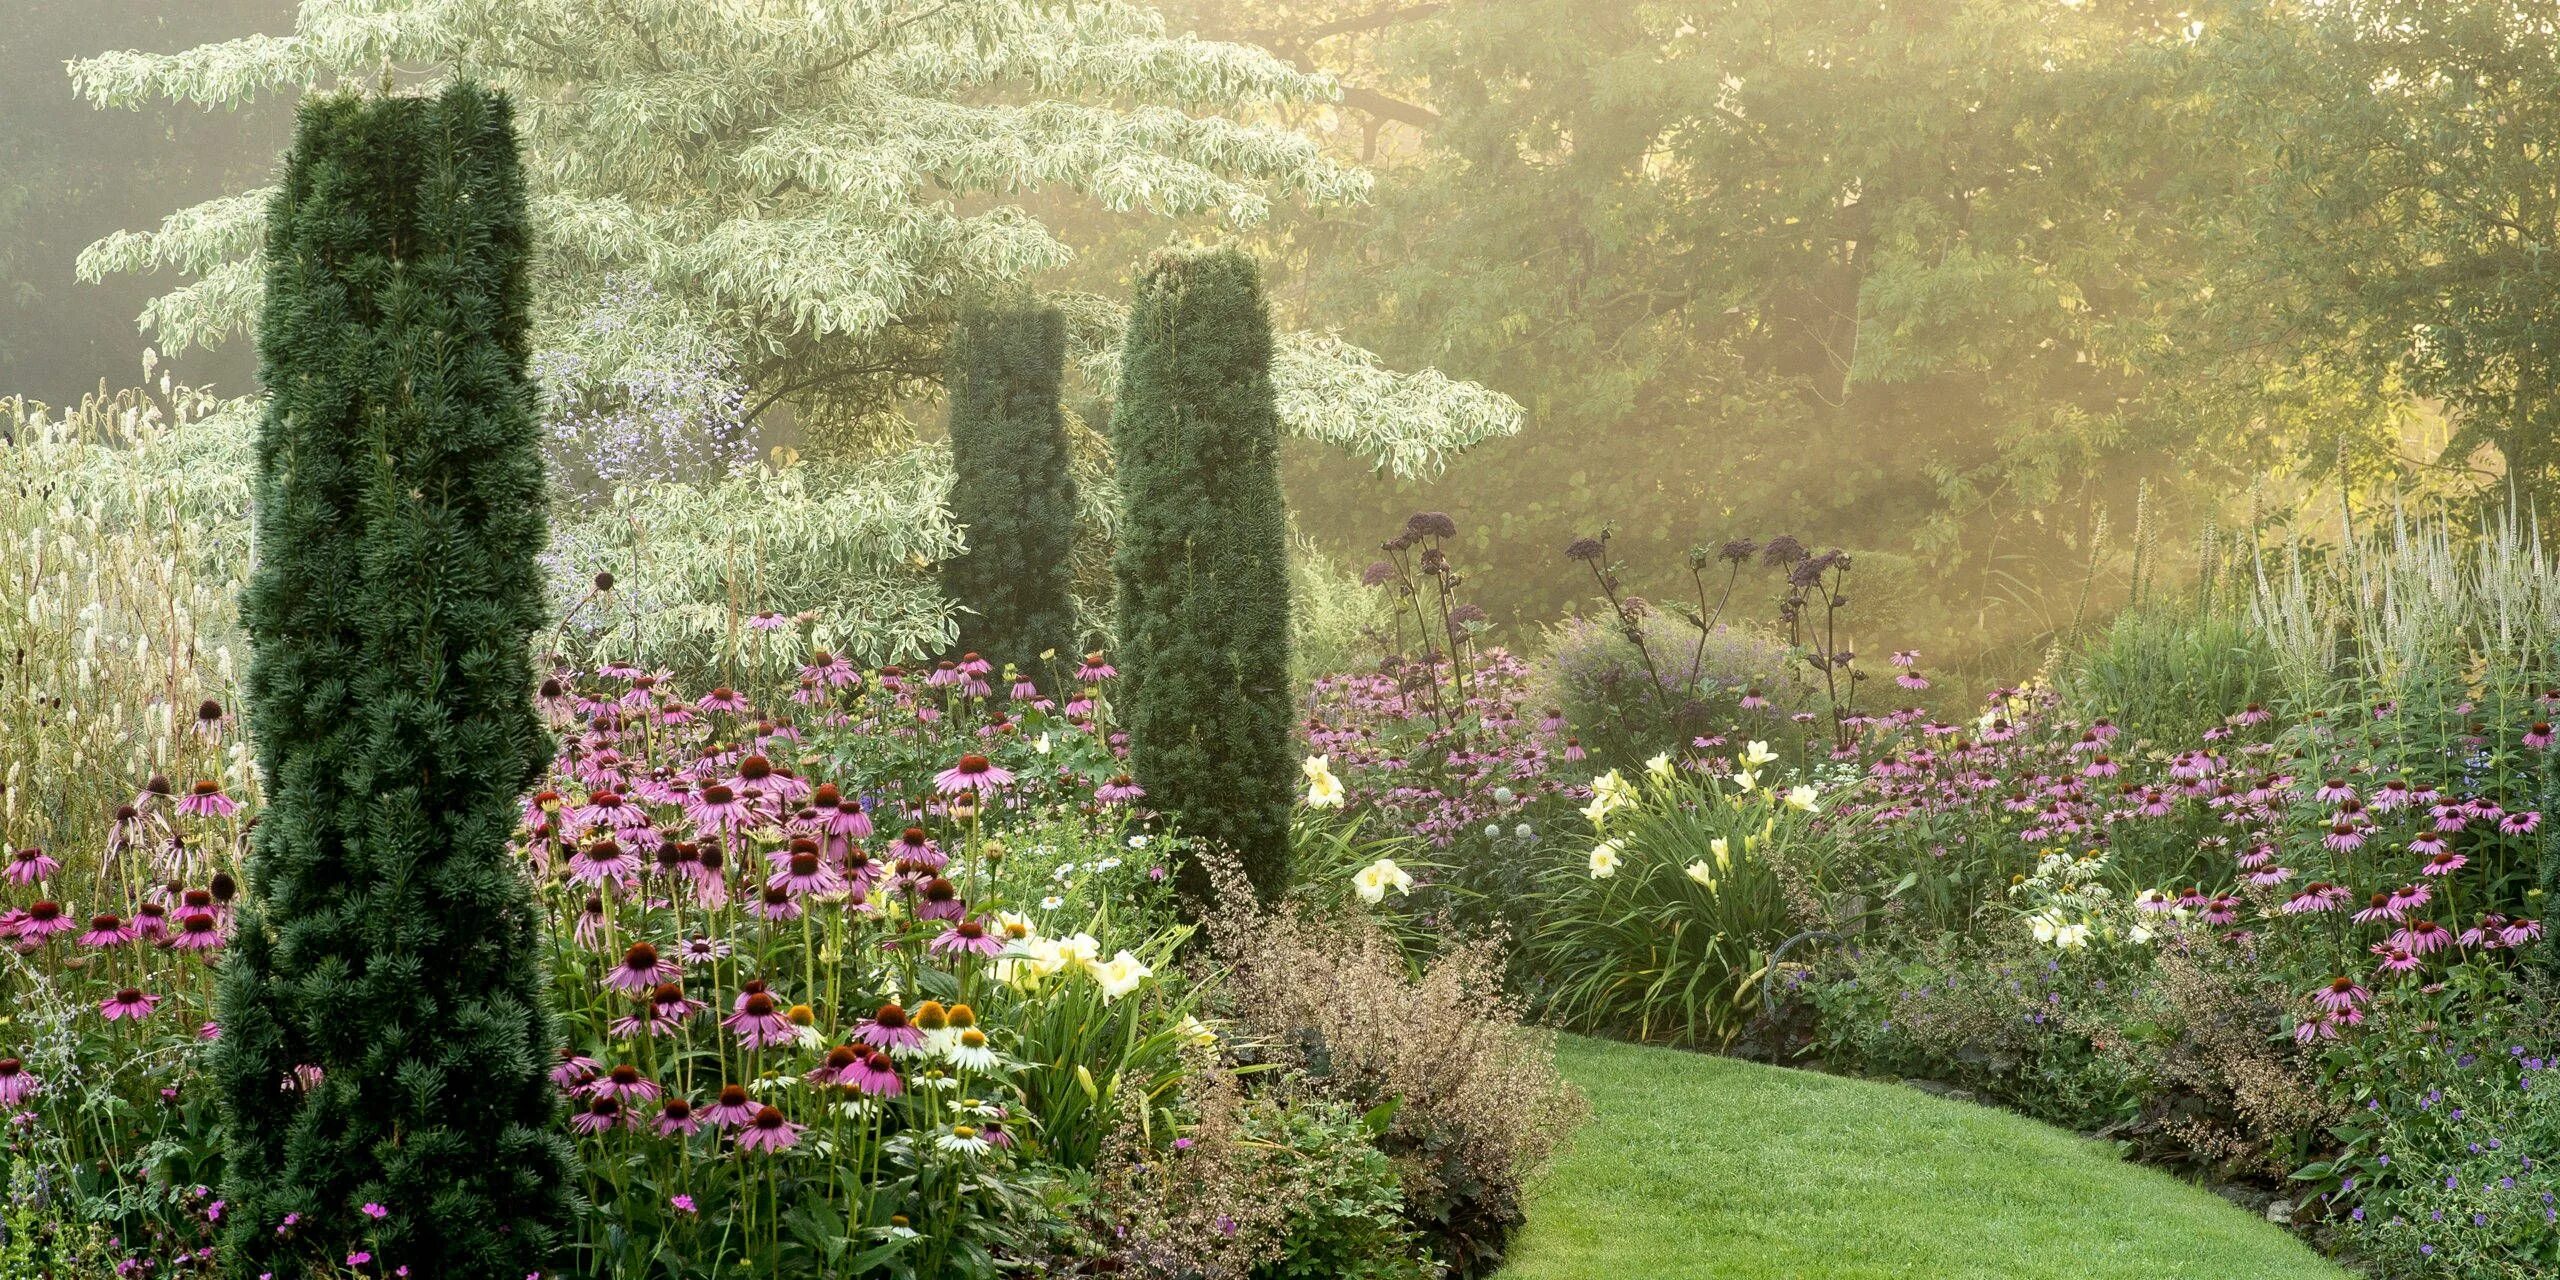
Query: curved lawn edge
(1695,1166)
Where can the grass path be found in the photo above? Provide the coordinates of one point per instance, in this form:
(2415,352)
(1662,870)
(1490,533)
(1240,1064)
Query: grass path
(1696,1167)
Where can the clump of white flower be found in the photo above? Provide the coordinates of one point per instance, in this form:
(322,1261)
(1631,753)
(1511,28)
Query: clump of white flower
(2068,904)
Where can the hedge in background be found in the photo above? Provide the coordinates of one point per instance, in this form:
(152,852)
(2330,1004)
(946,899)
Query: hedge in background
(383,1040)
(1202,562)
(1011,488)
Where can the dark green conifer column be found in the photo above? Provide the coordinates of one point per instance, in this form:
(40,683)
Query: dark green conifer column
(1203,561)
(384,1037)
(1011,488)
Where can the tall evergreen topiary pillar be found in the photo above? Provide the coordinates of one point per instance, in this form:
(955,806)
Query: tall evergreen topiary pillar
(1203,562)
(384,1038)
(1011,489)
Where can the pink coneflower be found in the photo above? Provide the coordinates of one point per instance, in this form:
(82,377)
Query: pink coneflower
(804,872)
(2488,935)
(2334,790)
(847,819)
(2421,937)
(107,931)
(641,969)
(940,901)
(677,1119)
(197,931)
(15,1083)
(2378,909)
(602,1114)
(602,861)
(2340,995)
(623,1083)
(2396,960)
(874,1074)
(777,905)
(2344,837)
(973,665)
(1911,680)
(2253,714)
(574,1069)
(767,620)
(969,936)
(1024,690)
(828,670)
(718,807)
(731,1108)
(974,773)
(889,1029)
(2520,824)
(2222,909)
(913,846)
(758,776)
(2391,796)
(609,810)
(43,920)
(2444,864)
(207,801)
(128,1003)
(2428,844)
(1095,670)
(769,1132)
(2319,895)
(2450,817)
(759,1023)
(2539,735)
(1121,789)
(1573,749)
(2520,932)
(2100,765)
(28,866)
(2268,877)
(722,700)
(2410,897)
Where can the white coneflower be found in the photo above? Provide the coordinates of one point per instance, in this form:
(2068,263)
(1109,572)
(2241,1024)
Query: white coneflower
(971,1052)
(964,1140)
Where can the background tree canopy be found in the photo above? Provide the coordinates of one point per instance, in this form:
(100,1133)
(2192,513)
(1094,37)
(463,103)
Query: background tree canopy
(1972,287)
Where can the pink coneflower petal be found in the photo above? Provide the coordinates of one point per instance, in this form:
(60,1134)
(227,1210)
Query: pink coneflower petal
(15,1083)
(974,773)
(769,1132)
(129,1003)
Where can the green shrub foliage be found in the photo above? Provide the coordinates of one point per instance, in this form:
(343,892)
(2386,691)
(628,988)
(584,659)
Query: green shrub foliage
(1011,487)
(1203,561)
(387,939)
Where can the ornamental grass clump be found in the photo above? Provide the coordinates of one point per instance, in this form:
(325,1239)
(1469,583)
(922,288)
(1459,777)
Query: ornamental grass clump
(1203,562)
(384,1034)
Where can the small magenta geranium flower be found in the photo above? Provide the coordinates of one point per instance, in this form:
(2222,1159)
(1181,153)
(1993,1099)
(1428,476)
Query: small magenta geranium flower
(974,773)
(374,1211)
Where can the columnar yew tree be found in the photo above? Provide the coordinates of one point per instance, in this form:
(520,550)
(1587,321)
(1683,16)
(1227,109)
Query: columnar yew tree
(383,1039)
(1203,561)
(1011,490)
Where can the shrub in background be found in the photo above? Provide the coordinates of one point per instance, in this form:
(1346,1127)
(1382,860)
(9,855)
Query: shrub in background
(1012,491)
(1622,713)
(1203,562)
(384,1036)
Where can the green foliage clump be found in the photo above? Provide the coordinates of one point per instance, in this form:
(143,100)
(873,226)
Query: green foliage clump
(384,1033)
(1012,489)
(1346,1221)
(2167,674)
(1203,562)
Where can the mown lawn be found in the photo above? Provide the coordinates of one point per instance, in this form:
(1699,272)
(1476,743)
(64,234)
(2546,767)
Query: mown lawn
(1695,1167)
